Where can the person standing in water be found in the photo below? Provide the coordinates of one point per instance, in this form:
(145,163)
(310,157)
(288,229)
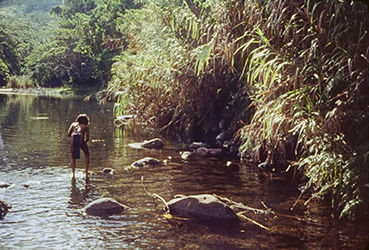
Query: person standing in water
(79,134)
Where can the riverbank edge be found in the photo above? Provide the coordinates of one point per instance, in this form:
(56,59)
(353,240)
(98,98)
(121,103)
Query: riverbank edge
(38,91)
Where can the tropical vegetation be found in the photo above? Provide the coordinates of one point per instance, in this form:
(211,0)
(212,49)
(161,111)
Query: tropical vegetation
(290,79)
(55,43)
(291,76)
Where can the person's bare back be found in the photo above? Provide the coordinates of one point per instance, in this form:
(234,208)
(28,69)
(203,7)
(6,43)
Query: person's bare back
(79,128)
(79,134)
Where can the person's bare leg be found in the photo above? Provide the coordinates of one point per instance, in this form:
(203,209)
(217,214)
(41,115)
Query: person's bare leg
(73,166)
(87,163)
(85,150)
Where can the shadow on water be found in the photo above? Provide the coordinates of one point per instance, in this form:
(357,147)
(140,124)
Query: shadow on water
(34,159)
(80,192)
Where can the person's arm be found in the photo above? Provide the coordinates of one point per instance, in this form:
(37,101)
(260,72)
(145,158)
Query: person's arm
(70,130)
(87,135)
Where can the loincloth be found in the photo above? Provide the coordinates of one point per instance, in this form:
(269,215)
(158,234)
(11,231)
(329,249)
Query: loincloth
(76,146)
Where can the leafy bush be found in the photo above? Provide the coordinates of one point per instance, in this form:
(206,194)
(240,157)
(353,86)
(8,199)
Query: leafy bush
(302,65)
(4,73)
(175,71)
(63,46)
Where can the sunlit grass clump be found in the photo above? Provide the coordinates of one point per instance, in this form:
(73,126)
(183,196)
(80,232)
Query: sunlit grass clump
(20,82)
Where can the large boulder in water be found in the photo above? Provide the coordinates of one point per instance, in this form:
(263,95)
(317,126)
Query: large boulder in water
(4,208)
(204,206)
(104,207)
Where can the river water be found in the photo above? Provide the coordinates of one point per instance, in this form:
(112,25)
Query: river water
(34,159)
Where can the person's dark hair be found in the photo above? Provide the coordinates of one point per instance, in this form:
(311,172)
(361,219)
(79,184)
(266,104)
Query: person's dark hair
(83,118)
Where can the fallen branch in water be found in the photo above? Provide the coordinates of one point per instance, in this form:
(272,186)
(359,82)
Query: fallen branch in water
(240,214)
(239,205)
(242,206)
(154,195)
(260,211)
(162,199)
(314,195)
(297,200)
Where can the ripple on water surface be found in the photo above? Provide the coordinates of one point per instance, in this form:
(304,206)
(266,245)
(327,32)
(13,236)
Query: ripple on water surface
(38,212)
(34,158)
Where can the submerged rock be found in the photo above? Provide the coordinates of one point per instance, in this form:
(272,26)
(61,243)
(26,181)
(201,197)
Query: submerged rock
(147,161)
(196,145)
(107,171)
(201,153)
(104,207)
(190,156)
(4,184)
(204,206)
(223,136)
(209,152)
(4,208)
(155,143)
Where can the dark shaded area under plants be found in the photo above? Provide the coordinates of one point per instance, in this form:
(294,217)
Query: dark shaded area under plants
(291,77)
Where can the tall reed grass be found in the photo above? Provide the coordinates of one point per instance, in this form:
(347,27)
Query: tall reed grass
(301,68)
(306,67)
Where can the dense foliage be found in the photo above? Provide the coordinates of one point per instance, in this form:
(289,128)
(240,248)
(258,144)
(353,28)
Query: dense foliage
(288,79)
(24,25)
(59,42)
(76,54)
(299,67)
(166,76)
(309,77)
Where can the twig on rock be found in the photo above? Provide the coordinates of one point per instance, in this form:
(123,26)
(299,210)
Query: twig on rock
(242,206)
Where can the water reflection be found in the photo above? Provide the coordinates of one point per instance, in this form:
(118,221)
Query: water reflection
(79,192)
(45,213)
(1,143)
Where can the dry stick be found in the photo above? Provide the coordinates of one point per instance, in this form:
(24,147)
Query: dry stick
(314,195)
(255,210)
(294,204)
(240,214)
(242,206)
(267,208)
(162,199)
(267,211)
(154,195)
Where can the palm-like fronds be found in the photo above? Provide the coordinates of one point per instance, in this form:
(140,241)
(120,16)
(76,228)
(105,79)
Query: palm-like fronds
(303,64)
(305,70)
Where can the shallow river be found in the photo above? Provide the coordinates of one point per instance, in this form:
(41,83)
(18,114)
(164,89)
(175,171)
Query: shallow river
(34,159)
